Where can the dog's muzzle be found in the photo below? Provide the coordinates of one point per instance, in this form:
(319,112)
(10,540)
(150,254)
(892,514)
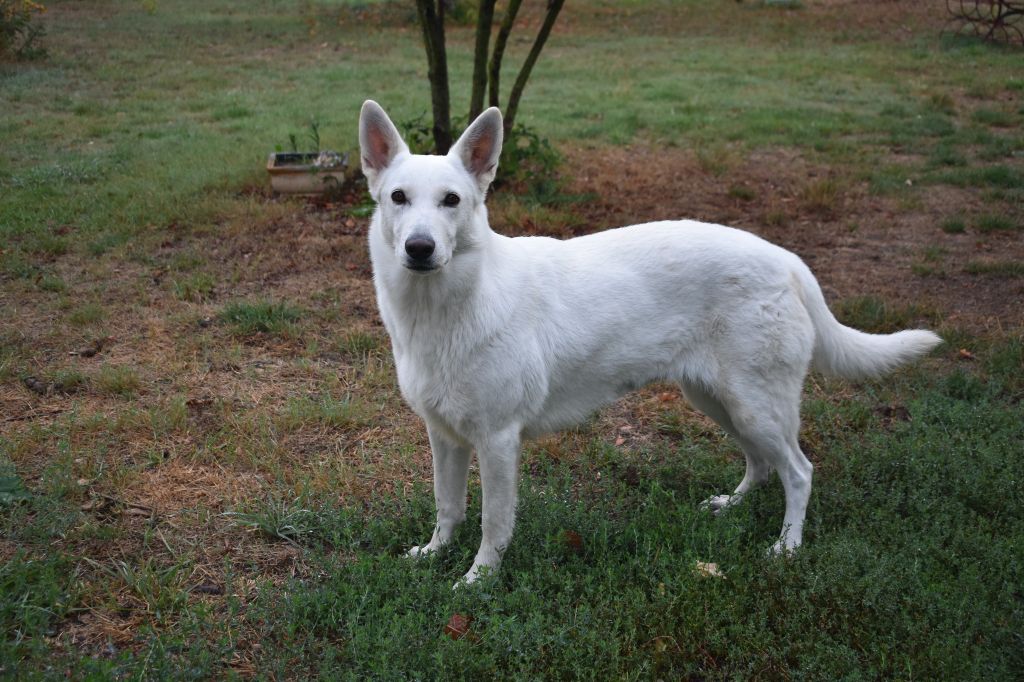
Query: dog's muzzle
(419,251)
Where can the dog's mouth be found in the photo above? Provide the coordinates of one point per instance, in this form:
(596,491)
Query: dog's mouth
(421,267)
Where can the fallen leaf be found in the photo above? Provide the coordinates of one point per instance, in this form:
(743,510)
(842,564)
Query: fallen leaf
(458,626)
(965,354)
(573,541)
(619,441)
(667,397)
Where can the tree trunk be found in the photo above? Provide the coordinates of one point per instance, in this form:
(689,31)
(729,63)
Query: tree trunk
(484,20)
(554,7)
(499,50)
(432,21)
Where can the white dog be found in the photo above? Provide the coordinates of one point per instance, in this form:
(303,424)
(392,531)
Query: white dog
(499,339)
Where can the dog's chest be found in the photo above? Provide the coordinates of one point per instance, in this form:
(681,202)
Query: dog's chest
(430,369)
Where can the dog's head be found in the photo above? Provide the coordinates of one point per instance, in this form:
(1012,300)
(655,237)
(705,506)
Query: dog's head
(427,205)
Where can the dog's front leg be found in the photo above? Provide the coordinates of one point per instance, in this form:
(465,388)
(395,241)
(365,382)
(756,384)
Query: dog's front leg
(499,476)
(451,466)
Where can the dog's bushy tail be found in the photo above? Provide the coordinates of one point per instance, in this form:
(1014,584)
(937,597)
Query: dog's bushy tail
(846,352)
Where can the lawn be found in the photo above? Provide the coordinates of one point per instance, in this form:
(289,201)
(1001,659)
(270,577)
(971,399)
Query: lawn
(206,469)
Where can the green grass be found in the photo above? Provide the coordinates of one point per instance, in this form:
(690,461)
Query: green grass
(821,196)
(994,223)
(196,287)
(68,380)
(279,520)
(37,591)
(995,118)
(117,380)
(998,176)
(322,411)
(954,225)
(996,268)
(357,344)
(268,317)
(160,589)
(742,192)
(874,315)
(86,314)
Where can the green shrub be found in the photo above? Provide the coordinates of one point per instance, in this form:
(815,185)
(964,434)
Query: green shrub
(19,32)
(529,164)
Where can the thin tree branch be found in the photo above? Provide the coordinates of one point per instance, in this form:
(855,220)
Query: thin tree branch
(500,41)
(554,7)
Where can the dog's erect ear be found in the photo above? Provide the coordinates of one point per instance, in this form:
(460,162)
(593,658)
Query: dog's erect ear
(379,142)
(480,146)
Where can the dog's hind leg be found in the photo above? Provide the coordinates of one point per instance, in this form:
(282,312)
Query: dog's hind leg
(499,476)
(451,467)
(765,412)
(758,469)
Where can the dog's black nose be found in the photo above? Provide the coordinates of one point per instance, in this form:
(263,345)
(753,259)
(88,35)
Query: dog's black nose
(419,247)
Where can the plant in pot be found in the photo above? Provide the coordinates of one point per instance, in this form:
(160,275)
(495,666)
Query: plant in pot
(307,173)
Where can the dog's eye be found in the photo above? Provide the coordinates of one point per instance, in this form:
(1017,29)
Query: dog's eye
(398,196)
(451,200)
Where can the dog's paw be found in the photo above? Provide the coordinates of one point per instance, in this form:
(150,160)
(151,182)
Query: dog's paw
(781,548)
(420,552)
(717,503)
(474,576)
